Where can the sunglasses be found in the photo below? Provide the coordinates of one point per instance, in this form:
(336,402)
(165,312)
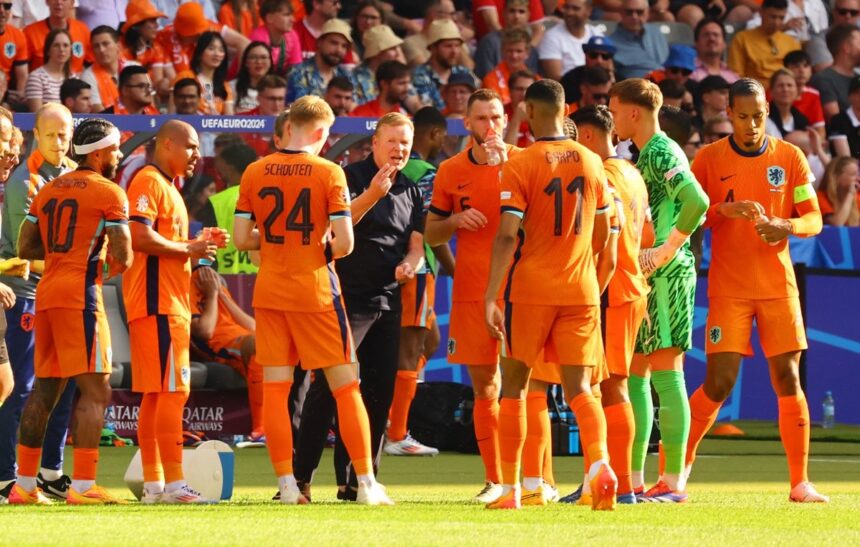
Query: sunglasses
(681,71)
(7,6)
(632,12)
(842,11)
(601,98)
(599,55)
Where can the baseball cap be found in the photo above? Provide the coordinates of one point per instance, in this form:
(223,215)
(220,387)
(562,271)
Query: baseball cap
(379,38)
(599,43)
(681,56)
(443,29)
(712,83)
(189,20)
(337,26)
(462,78)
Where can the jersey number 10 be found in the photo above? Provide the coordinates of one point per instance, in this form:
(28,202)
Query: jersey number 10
(574,187)
(55,216)
(298,219)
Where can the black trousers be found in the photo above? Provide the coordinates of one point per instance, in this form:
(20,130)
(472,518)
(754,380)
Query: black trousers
(377,340)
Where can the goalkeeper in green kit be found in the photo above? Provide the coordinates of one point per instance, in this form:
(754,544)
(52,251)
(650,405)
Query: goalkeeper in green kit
(678,206)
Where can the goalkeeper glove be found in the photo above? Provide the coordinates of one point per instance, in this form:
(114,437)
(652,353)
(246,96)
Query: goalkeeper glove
(650,260)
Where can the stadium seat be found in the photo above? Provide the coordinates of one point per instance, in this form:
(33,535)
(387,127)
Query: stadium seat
(222,377)
(677,33)
(605,27)
(199,373)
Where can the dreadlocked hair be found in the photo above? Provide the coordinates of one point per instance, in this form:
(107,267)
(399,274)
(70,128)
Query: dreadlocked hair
(89,131)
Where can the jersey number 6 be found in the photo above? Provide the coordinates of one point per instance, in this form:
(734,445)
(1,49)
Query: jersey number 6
(301,208)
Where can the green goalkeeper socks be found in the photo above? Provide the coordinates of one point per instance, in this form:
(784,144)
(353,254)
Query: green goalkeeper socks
(674,417)
(643,416)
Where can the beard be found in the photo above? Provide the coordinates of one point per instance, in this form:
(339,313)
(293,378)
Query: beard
(109,171)
(331,60)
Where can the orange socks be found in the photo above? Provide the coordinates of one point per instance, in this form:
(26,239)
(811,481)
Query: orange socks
(703,414)
(169,433)
(354,427)
(405,385)
(146,428)
(592,426)
(255,395)
(276,422)
(512,436)
(86,461)
(537,434)
(486,420)
(794,431)
(28,461)
(619,439)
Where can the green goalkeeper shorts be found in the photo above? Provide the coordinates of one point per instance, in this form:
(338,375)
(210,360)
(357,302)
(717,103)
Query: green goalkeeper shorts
(668,320)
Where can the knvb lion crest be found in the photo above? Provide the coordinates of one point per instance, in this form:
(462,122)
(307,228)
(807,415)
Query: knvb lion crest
(715,334)
(9,50)
(775,176)
(452,346)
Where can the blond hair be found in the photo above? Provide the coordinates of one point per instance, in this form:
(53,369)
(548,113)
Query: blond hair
(639,92)
(310,109)
(393,119)
(829,187)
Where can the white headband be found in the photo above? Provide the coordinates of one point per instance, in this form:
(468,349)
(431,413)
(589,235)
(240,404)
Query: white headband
(110,139)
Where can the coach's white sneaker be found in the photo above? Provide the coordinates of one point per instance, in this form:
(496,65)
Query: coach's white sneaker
(409,447)
(490,493)
(550,492)
(183,494)
(291,495)
(804,492)
(372,494)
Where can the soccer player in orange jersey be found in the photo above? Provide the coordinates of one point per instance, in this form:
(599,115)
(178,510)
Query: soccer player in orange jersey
(626,290)
(554,203)
(69,220)
(761,192)
(290,204)
(156,291)
(465,204)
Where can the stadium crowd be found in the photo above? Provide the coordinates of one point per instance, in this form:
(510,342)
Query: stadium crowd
(493,63)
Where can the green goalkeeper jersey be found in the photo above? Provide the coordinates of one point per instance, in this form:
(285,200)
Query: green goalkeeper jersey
(666,171)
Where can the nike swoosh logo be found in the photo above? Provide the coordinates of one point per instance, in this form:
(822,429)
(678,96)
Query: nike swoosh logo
(525,497)
(461,186)
(723,179)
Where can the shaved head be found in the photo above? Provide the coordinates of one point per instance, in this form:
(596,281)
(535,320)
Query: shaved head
(53,111)
(53,132)
(177,148)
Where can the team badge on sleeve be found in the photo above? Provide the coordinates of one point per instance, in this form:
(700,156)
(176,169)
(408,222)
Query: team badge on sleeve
(142,204)
(78,49)
(775,176)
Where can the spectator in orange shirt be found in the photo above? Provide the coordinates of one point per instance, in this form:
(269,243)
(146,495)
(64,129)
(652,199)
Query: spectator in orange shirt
(138,44)
(76,95)
(518,132)
(209,67)
(13,62)
(837,195)
(60,18)
(103,75)
(393,79)
(256,63)
(179,39)
(240,15)
(135,93)
(515,52)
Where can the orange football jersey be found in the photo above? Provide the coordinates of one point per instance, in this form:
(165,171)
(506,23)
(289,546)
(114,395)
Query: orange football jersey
(37,32)
(462,184)
(292,196)
(13,51)
(779,178)
(631,208)
(557,186)
(157,284)
(175,51)
(72,212)
(227,330)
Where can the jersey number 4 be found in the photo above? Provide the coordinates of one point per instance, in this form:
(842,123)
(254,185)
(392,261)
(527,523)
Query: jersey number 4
(55,212)
(298,219)
(554,189)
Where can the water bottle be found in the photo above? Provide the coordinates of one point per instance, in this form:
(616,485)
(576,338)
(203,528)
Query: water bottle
(829,410)
(493,157)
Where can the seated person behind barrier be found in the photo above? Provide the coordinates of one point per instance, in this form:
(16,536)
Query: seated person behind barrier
(225,334)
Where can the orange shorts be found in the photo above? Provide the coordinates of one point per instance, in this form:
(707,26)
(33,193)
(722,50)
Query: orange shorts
(730,321)
(469,341)
(418,297)
(622,325)
(312,339)
(569,335)
(159,354)
(71,342)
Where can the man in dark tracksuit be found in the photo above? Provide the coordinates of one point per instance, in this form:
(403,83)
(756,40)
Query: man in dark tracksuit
(387,215)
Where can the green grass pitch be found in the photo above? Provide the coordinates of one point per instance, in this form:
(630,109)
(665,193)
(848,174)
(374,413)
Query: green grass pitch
(738,496)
